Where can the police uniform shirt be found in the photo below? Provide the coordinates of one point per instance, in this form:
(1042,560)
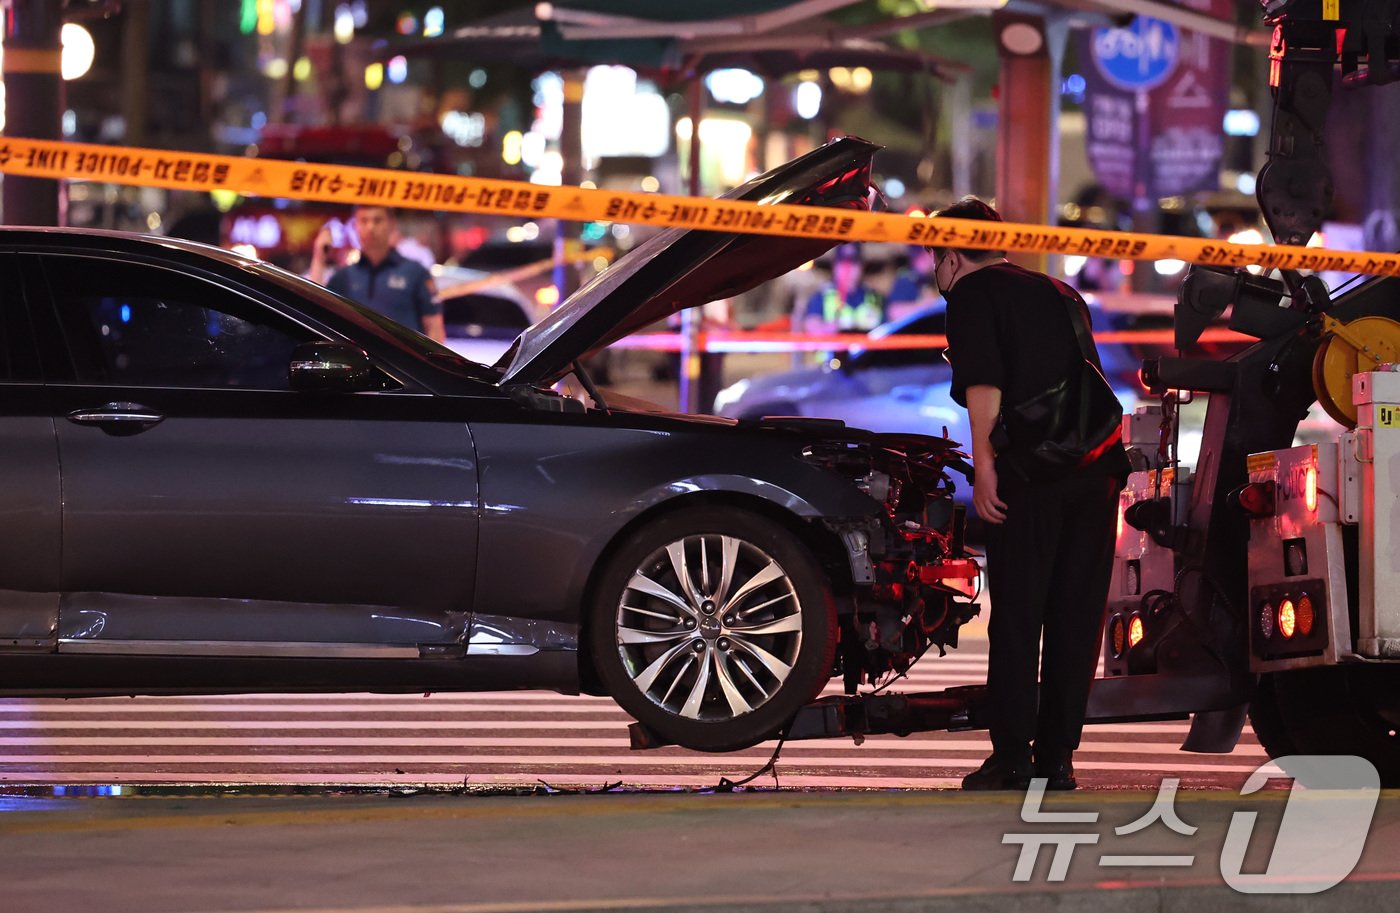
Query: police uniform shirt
(1008,328)
(398,288)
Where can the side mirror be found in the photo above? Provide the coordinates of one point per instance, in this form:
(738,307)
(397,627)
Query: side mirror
(329,367)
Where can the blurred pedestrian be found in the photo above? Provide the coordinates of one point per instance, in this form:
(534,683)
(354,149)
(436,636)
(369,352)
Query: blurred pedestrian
(1015,337)
(846,303)
(382,279)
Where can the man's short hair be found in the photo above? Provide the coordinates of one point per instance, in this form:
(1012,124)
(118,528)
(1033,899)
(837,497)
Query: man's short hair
(969,207)
(391,210)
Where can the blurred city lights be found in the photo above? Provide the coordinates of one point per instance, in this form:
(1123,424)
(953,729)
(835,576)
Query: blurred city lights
(398,69)
(549,104)
(734,86)
(433,22)
(547,296)
(302,70)
(344,28)
(511,145)
(1169,267)
(275,68)
(723,139)
(532,149)
(374,76)
(551,169)
(861,80)
(622,115)
(267,22)
(807,100)
(476,78)
(895,188)
(1246,184)
(78,50)
(1241,122)
(650,184)
(465,129)
(407,24)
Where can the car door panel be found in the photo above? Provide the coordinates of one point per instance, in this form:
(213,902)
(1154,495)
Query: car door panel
(30,496)
(206,519)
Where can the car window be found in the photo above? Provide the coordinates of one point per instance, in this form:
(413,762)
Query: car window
(19,355)
(131,324)
(487,312)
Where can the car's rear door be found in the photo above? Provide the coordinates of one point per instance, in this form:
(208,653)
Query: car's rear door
(29,483)
(209,509)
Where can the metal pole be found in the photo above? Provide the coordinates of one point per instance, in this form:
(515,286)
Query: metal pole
(571,175)
(688,394)
(34,93)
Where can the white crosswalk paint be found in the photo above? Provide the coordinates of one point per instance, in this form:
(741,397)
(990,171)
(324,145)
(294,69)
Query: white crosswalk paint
(516,739)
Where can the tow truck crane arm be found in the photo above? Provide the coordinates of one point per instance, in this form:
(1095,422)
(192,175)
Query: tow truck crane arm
(1311,37)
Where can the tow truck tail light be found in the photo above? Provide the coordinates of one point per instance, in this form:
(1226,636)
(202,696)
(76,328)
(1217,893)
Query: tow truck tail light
(1118,636)
(1135,631)
(1306,615)
(1256,499)
(1266,620)
(1310,489)
(1287,619)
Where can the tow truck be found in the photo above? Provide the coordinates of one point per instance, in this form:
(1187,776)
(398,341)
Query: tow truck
(1264,582)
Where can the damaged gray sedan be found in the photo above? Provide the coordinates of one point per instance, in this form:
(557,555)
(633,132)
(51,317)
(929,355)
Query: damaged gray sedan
(220,478)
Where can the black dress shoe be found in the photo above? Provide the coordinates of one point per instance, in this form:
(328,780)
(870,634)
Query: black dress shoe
(999,772)
(1057,769)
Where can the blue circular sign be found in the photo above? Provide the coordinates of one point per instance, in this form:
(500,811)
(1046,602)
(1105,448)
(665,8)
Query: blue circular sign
(1140,57)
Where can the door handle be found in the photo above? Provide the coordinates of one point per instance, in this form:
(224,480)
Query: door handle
(118,418)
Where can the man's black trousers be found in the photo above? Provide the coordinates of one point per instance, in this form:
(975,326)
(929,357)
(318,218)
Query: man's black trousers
(1048,567)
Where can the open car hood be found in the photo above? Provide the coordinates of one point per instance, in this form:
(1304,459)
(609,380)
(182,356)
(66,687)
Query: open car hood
(680,267)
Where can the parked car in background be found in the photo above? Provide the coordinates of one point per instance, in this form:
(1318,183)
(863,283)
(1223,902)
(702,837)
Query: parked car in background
(230,479)
(482,318)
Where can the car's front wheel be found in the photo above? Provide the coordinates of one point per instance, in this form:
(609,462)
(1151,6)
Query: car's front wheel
(713,627)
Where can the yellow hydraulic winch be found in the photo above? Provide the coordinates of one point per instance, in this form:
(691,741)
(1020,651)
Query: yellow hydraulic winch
(1361,345)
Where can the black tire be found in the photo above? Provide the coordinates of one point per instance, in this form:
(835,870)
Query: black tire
(1331,711)
(736,635)
(1268,722)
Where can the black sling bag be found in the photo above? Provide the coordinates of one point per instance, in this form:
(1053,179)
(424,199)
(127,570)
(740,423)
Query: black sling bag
(1067,426)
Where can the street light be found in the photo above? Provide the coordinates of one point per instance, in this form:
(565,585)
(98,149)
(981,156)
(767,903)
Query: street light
(78,50)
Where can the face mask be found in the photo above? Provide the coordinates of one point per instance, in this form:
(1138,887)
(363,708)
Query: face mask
(938,274)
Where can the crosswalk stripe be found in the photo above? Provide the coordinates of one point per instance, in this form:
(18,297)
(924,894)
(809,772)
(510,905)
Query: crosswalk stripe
(517,739)
(945,744)
(461,721)
(717,761)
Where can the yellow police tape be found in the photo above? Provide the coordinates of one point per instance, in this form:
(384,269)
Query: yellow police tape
(417,190)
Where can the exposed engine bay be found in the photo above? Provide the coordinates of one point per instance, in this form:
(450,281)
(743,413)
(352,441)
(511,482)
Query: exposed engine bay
(914,581)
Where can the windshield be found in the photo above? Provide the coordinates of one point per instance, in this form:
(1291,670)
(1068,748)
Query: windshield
(402,337)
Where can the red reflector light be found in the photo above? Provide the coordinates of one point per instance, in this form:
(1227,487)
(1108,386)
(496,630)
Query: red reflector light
(1256,499)
(1310,489)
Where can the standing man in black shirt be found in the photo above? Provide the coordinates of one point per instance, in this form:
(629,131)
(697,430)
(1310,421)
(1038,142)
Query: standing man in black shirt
(1050,538)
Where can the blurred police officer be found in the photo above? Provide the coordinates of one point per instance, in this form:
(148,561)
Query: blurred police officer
(382,279)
